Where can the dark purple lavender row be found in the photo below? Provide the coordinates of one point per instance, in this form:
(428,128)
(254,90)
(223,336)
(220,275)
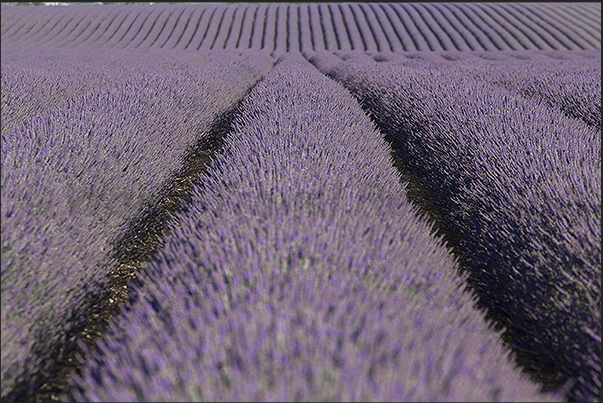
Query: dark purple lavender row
(283,27)
(300,272)
(518,188)
(77,170)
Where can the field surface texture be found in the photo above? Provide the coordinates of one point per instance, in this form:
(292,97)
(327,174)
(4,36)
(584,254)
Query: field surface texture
(301,202)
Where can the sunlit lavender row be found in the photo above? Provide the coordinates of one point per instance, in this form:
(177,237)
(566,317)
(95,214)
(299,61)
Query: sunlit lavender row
(380,27)
(80,159)
(301,272)
(518,187)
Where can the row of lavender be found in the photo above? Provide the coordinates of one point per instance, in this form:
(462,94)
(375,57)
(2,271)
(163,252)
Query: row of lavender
(301,272)
(88,139)
(516,184)
(571,83)
(381,27)
(566,80)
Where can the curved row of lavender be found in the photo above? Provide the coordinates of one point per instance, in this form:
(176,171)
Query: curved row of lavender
(80,162)
(284,27)
(518,185)
(300,272)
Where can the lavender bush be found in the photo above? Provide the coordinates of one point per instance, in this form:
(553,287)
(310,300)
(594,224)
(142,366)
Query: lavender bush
(75,175)
(565,80)
(571,84)
(517,187)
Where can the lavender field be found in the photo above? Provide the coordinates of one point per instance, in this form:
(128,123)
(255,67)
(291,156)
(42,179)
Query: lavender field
(301,202)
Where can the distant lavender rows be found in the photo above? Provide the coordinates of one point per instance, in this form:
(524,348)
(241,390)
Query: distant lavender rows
(87,141)
(300,272)
(379,27)
(516,182)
